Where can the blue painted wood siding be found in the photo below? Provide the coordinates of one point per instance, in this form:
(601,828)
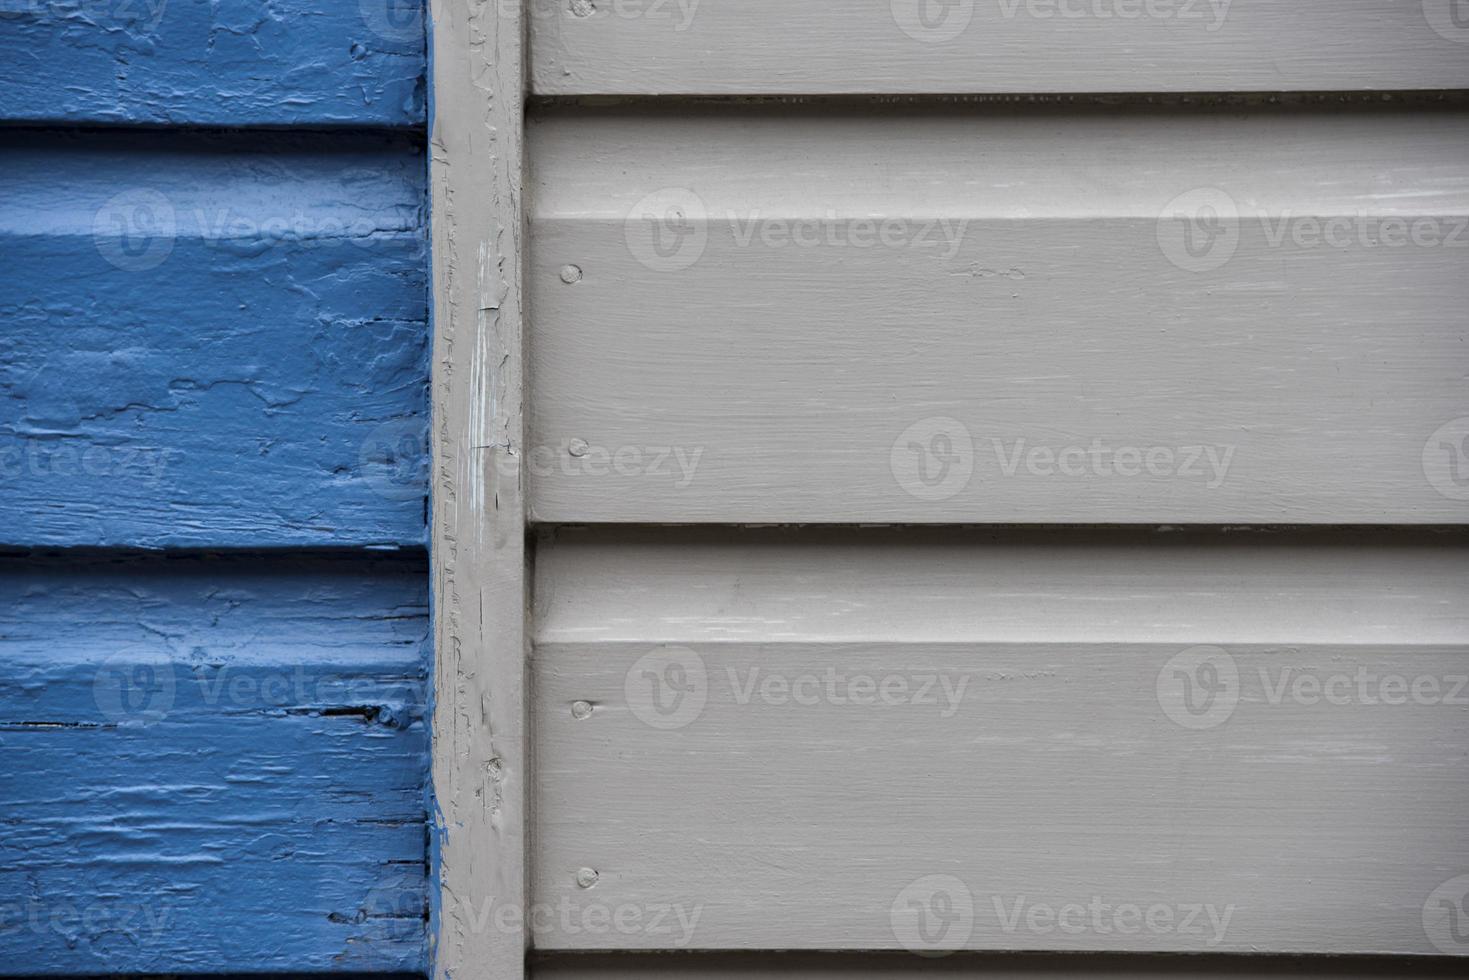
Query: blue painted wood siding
(212,763)
(351,63)
(212,340)
(213,477)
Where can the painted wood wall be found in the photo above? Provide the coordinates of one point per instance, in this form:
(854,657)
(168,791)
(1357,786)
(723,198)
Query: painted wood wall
(999,474)
(213,587)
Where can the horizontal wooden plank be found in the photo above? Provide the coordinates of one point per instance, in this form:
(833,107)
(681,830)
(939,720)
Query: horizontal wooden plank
(947,586)
(1120,315)
(900,966)
(223,63)
(213,341)
(212,765)
(787,749)
(980,46)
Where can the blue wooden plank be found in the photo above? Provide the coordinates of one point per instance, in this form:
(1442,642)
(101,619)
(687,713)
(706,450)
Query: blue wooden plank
(212,341)
(213,62)
(212,764)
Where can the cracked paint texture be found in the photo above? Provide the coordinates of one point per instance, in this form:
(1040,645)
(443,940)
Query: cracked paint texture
(212,764)
(213,480)
(212,340)
(213,476)
(213,62)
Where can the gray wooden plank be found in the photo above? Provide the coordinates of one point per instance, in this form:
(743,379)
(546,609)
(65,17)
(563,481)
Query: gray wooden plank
(808,759)
(932,585)
(900,966)
(995,316)
(477,528)
(960,46)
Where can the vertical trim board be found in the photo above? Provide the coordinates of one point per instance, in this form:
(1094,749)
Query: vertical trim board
(478,508)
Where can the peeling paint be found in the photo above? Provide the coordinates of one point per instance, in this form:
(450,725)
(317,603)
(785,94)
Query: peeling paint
(223,62)
(213,763)
(213,340)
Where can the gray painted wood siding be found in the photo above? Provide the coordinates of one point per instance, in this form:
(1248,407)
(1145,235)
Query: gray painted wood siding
(780,47)
(984,314)
(899,966)
(794,740)
(1101,369)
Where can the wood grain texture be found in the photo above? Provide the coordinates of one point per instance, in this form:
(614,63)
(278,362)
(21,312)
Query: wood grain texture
(480,590)
(213,340)
(936,585)
(212,765)
(900,966)
(791,734)
(963,46)
(222,63)
(993,315)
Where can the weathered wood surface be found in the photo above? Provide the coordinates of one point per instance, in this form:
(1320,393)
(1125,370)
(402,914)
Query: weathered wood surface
(971,46)
(901,966)
(212,765)
(212,341)
(480,588)
(1060,314)
(218,63)
(1203,742)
